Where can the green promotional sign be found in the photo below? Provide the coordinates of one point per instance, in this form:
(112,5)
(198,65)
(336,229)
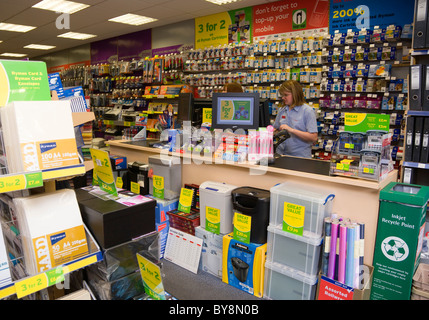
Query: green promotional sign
(362,122)
(242,227)
(23,81)
(158,187)
(213,220)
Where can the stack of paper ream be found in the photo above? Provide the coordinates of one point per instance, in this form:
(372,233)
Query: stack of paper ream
(38,135)
(52,230)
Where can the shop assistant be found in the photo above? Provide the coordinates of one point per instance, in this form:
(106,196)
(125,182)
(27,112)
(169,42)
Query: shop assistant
(298,118)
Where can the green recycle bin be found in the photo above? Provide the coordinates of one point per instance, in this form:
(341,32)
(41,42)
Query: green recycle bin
(399,240)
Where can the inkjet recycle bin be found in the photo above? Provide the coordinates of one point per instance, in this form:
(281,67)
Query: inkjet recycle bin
(399,239)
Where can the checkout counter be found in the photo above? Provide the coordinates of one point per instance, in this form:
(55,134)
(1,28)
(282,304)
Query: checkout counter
(357,199)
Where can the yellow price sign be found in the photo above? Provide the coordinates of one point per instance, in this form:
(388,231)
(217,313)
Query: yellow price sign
(158,186)
(207,115)
(293,218)
(38,282)
(103,171)
(151,277)
(185,200)
(135,187)
(119,183)
(20,181)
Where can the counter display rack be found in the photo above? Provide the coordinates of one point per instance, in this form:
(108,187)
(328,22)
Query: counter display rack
(17,282)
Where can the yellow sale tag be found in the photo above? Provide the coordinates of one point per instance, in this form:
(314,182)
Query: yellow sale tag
(38,282)
(103,171)
(207,115)
(20,181)
(158,187)
(135,187)
(119,183)
(242,227)
(293,218)
(185,200)
(151,277)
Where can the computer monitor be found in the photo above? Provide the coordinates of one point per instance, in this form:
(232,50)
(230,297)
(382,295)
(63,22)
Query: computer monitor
(235,110)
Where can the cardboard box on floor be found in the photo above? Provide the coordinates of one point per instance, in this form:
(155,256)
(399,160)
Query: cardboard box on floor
(334,290)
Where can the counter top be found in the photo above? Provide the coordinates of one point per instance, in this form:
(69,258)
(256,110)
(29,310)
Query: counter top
(197,159)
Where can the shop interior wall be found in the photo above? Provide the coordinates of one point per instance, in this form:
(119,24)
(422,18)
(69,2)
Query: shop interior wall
(182,33)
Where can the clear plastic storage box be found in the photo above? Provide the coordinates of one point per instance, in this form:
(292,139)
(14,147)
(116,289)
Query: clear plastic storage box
(317,203)
(284,283)
(298,252)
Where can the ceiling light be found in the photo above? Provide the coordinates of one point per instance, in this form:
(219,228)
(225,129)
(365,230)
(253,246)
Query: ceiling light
(60,6)
(15,27)
(39,47)
(221,2)
(16,55)
(133,19)
(76,35)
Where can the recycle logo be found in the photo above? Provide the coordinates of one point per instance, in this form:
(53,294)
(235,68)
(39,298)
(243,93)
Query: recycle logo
(395,249)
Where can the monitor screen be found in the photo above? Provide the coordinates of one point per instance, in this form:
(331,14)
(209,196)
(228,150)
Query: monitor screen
(235,110)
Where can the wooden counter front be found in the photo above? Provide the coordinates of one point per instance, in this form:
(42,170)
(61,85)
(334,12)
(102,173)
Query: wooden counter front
(356,199)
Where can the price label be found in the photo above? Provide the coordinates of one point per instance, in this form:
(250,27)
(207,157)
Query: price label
(151,277)
(20,181)
(119,183)
(293,218)
(135,187)
(185,200)
(158,187)
(242,227)
(103,171)
(41,281)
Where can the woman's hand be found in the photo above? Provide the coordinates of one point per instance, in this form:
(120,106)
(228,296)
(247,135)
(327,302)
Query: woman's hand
(287,128)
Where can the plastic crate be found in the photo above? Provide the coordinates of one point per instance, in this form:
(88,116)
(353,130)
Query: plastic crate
(284,283)
(317,204)
(298,252)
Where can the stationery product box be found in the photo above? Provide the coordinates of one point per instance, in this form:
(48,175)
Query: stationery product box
(168,171)
(298,252)
(328,289)
(162,207)
(186,222)
(216,212)
(118,162)
(243,265)
(113,223)
(399,240)
(285,283)
(211,253)
(297,208)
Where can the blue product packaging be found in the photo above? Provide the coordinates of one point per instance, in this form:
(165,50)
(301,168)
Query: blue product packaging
(243,265)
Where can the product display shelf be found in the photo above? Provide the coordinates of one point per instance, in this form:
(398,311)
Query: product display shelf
(415,168)
(31,284)
(27,285)
(348,84)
